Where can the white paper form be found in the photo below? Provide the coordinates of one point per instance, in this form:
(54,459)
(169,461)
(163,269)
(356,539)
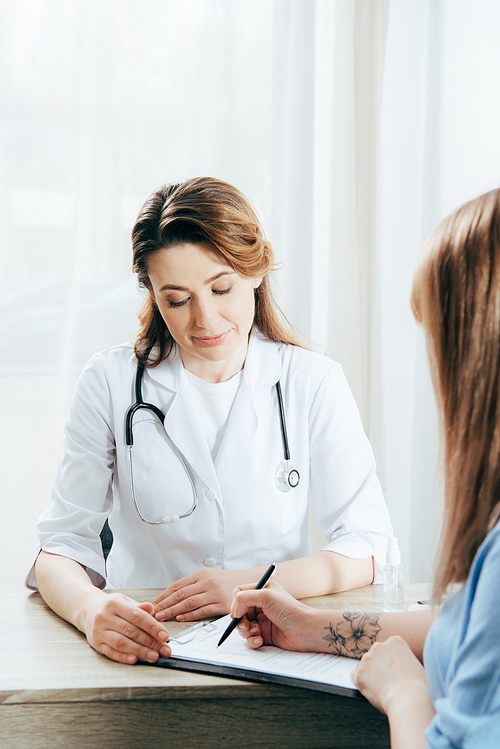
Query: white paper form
(201,646)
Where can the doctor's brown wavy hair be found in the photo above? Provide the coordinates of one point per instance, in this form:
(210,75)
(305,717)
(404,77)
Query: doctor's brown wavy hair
(456,297)
(211,211)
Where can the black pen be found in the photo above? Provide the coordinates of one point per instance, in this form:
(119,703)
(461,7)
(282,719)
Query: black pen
(262,582)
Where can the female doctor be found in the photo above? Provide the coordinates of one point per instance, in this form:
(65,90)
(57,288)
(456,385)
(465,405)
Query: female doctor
(201,442)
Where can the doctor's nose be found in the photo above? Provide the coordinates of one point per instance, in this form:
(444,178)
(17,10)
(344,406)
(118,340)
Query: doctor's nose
(206,315)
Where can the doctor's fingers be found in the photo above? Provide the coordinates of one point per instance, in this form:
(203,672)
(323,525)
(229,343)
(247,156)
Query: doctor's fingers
(118,647)
(122,614)
(179,601)
(162,601)
(193,602)
(195,607)
(218,583)
(194,599)
(139,636)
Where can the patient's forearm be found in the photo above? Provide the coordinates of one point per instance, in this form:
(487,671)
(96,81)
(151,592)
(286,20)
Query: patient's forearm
(351,633)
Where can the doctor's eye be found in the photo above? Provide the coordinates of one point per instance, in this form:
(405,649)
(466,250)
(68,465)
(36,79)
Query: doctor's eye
(220,292)
(177,304)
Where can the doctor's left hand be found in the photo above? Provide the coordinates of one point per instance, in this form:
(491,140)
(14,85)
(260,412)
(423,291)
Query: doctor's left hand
(205,593)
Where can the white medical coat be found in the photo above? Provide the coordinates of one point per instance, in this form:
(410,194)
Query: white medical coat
(243,520)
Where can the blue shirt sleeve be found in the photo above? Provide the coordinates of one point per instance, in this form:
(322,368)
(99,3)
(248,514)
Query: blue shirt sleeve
(468,708)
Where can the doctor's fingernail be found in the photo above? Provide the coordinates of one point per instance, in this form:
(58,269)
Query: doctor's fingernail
(152,656)
(165,652)
(160,616)
(242,625)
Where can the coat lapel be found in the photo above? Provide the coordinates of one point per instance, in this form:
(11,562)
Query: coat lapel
(241,427)
(262,371)
(184,429)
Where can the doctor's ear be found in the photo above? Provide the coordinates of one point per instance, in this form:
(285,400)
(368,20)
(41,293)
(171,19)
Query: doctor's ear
(257,282)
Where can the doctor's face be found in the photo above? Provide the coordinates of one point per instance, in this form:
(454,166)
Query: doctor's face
(207,307)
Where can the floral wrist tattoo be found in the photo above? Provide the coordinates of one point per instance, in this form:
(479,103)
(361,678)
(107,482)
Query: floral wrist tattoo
(355,635)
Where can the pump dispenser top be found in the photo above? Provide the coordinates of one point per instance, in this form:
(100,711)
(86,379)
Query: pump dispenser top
(393,555)
(393,578)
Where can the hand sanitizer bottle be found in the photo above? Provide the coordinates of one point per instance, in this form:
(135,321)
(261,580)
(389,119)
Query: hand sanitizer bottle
(393,578)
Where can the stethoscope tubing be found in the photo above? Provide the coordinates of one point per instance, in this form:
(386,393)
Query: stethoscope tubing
(167,518)
(288,476)
(139,403)
(129,440)
(284,432)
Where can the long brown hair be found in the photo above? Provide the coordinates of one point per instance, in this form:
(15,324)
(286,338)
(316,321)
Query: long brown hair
(456,297)
(206,210)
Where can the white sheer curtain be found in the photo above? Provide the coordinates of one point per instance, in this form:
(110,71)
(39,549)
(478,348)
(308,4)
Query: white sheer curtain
(439,148)
(338,118)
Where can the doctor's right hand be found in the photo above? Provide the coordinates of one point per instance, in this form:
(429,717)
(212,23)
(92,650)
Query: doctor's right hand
(271,616)
(124,630)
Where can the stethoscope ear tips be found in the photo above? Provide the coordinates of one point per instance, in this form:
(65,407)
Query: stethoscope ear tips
(287,477)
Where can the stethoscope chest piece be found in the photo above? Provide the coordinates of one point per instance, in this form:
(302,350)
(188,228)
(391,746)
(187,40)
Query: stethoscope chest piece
(287,477)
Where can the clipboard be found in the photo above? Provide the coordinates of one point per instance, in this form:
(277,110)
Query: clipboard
(194,649)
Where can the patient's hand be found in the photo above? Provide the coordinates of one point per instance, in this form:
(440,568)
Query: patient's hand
(389,672)
(273,617)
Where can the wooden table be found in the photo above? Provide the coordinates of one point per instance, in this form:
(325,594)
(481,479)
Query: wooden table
(55,691)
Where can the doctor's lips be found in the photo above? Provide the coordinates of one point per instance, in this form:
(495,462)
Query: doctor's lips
(214,340)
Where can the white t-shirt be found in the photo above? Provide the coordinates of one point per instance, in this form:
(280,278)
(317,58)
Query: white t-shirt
(213,402)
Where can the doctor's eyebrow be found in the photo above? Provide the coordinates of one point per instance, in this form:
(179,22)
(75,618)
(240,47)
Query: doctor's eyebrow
(209,280)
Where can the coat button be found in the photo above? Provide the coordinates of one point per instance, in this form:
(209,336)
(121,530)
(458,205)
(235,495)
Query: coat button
(209,562)
(210,494)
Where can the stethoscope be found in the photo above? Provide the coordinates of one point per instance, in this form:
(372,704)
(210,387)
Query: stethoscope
(286,477)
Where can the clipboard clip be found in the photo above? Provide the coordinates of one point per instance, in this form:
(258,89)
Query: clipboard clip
(187,635)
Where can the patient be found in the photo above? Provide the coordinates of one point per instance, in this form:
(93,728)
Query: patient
(455,700)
